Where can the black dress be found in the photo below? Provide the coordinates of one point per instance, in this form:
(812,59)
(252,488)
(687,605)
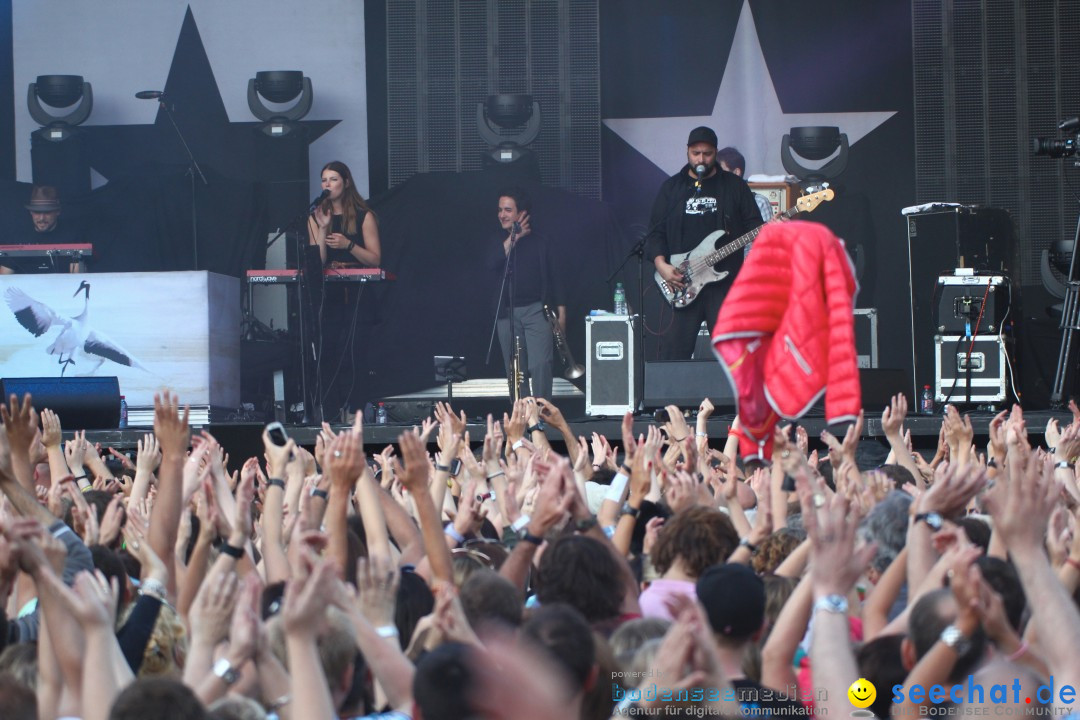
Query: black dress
(347,312)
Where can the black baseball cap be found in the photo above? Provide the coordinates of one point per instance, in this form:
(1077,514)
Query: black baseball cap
(734,599)
(702,134)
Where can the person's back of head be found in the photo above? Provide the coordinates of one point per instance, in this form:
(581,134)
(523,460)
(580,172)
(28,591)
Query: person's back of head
(731,159)
(562,632)
(1001,576)
(157,698)
(631,635)
(930,615)
(443,682)
(17,700)
(488,597)
(734,601)
(699,537)
(880,661)
(21,661)
(581,572)
(236,707)
(886,526)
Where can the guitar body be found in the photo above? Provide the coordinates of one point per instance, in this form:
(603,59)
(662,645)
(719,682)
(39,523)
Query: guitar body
(698,267)
(696,275)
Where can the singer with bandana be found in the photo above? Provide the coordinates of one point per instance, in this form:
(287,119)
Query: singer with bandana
(700,199)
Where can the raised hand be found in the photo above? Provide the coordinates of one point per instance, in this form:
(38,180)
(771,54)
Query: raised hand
(345,460)
(74,452)
(377,581)
(111,521)
(170,425)
(892,418)
(211,613)
(20,421)
(414,474)
(51,433)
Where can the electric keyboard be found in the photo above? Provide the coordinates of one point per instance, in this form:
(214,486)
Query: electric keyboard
(73,250)
(288,276)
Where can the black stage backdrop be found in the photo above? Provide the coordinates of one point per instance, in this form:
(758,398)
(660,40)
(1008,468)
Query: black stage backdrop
(663,59)
(435,228)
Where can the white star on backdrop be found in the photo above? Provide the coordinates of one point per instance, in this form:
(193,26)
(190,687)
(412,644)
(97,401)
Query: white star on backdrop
(747,115)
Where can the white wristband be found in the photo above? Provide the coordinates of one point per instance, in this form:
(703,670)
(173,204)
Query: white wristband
(387,631)
(449,530)
(522,521)
(518,444)
(616,488)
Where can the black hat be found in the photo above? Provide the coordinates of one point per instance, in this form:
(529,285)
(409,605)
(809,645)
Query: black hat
(734,599)
(702,134)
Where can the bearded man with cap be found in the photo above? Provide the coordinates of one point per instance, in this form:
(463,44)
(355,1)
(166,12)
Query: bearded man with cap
(44,229)
(698,200)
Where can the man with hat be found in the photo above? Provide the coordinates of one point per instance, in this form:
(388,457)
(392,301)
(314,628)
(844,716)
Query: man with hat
(44,207)
(698,200)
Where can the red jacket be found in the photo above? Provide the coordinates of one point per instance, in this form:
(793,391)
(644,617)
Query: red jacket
(786,334)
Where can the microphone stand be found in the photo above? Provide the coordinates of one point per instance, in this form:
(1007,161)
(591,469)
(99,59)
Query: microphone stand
(193,169)
(507,279)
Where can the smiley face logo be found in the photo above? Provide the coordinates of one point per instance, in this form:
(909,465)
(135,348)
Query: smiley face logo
(862,693)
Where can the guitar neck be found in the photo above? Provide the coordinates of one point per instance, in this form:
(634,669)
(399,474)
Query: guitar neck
(744,240)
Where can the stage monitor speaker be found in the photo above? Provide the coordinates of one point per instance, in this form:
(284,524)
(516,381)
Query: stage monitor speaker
(83,403)
(686,383)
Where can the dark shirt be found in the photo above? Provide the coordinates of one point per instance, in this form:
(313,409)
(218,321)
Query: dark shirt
(683,215)
(530,268)
(337,224)
(61,234)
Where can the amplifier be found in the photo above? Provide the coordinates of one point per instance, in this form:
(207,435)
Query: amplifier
(685,383)
(610,365)
(961,301)
(977,377)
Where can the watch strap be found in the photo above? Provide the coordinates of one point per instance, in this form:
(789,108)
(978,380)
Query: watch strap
(233,552)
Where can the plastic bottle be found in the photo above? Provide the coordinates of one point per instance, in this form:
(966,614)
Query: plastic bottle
(123,412)
(926,402)
(620,299)
(380,414)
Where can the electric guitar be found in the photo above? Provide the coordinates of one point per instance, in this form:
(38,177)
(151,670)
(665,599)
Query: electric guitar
(698,266)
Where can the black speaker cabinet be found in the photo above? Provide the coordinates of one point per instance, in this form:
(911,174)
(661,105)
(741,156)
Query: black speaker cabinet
(686,383)
(940,240)
(83,403)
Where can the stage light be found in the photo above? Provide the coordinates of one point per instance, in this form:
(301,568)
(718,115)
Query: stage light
(508,111)
(279,87)
(816,144)
(59,92)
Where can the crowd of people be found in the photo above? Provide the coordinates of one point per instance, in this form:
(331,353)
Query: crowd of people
(630,576)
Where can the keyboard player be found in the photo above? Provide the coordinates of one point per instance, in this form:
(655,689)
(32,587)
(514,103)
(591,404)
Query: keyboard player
(44,228)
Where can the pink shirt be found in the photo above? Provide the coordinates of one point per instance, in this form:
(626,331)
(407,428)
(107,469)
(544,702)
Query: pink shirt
(654,600)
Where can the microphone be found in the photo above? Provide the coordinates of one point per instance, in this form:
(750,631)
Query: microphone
(700,170)
(1069,124)
(149,94)
(516,229)
(322,196)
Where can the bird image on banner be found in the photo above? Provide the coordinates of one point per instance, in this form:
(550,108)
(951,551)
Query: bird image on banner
(76,337)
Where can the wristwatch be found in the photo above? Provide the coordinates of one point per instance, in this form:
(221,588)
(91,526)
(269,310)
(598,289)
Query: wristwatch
(540,425)
(224,670)
(630,510)
(745,542)
(953,638)
(836,604)
(933,519)
(586,524)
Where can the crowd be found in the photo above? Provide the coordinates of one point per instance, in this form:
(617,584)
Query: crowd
(660,579)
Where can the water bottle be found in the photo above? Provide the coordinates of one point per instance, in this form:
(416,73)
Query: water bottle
(380,414)
(926,402)
(123,412)
(620,299)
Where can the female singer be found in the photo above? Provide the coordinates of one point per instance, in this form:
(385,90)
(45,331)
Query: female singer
(343,225)
(347,234)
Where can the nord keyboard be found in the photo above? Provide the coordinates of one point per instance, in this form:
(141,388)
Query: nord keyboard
(75,250)
(282,277)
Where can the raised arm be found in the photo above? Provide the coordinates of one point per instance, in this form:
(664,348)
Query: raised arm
(171,429)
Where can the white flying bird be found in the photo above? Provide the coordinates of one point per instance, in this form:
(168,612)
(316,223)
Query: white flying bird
(76,335)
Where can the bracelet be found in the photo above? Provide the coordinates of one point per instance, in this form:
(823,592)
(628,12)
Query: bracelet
(442,468)
(1019,652)
(1062,465)
(496,474)
(352,244)
(153,588)
(77,478)
(87,488)
(453,533)
(387,631)
(522,522)
(1074,562)
(279,703)
(275,482)
(518,444)
(320,493)
(679,440)
(530,538)
(701,434)
(233,552)
(745,542)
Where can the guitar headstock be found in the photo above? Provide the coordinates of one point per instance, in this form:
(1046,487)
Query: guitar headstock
(806,203)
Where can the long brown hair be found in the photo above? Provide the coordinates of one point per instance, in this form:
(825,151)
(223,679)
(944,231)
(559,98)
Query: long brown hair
(350,199)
